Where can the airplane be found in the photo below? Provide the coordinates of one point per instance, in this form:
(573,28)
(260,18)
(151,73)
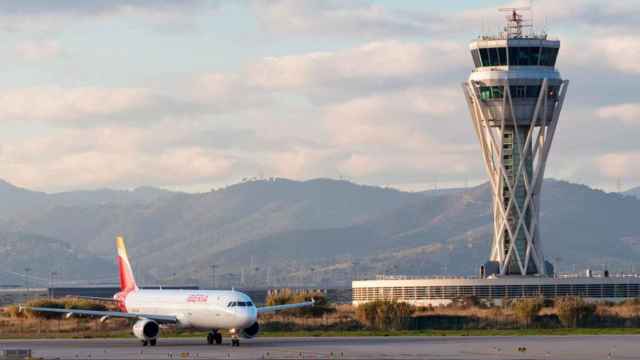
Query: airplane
(211,310)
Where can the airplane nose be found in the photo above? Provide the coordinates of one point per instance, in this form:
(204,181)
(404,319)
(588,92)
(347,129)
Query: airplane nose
(251,316)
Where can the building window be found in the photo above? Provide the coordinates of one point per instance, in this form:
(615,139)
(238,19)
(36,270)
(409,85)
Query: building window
(491,92)
(484,56)
(533,91)
(489,57)
(518,91)
(549,56)
(497,92)
(502,54)
(476,58)
(524,56)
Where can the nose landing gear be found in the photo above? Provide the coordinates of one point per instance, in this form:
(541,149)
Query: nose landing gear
(235,339)
(214,336)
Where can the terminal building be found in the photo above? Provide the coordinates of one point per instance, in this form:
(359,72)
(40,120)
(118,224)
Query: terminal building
(515,96)
(438,291)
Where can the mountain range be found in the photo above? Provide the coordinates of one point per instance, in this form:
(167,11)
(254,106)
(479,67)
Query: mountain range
(318,232)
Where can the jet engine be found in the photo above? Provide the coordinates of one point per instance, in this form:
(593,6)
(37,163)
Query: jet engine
(146,329)
(251,331)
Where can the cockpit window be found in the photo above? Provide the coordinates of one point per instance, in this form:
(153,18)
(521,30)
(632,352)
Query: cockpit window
(240,303)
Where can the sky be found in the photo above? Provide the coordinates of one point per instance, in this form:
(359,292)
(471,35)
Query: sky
(197,94)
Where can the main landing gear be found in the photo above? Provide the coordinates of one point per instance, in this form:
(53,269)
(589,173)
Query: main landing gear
(151,342)
(214,336)
(235,342)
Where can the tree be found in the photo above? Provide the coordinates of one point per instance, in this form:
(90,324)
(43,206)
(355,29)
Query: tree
(574,311)
(385,314)
(527,309)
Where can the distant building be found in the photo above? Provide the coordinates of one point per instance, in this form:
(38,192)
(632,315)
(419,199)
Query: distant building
(443,291)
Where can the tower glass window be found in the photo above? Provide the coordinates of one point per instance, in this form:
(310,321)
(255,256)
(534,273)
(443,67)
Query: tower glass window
(476,58)
(484,56)
(489,56)
(502,53)
(524,56)
(548,56)
(491,92)
(493,57)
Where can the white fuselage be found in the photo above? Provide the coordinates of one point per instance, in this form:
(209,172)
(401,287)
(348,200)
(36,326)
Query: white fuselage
(200,309)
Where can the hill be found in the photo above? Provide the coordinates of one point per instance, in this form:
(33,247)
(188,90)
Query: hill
(324,231)
(42,255)
(633,192)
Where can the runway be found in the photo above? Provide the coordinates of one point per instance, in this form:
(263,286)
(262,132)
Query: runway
(537,347)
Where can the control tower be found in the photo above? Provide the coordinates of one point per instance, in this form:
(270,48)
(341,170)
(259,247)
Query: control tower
(515,95)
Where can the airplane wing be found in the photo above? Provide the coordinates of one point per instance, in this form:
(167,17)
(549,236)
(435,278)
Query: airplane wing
(164,319)
(274,308)
(96,298)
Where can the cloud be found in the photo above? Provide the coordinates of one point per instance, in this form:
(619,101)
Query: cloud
(43,15)
(621,52)
(390,119)
(627,113)
(368,68)
(57,104)
(38,51)
(209,93)
(117,156)
(619,165)
(324,17)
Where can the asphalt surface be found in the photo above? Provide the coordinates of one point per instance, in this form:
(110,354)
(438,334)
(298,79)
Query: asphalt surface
(537,347)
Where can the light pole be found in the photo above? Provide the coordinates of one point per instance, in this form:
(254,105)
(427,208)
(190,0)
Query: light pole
(26,280)
(52,276)
(213,275)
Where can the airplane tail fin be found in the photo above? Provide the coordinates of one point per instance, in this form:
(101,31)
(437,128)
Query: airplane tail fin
(127,281)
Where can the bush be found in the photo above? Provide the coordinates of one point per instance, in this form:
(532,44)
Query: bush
(385,315)
(13,311)
(467,302)
(574,311)
(526,309)
(321,307)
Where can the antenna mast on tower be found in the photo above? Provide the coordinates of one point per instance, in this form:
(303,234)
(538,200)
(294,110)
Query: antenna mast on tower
(516,22)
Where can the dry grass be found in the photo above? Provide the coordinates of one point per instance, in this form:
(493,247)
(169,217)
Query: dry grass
(343,319)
